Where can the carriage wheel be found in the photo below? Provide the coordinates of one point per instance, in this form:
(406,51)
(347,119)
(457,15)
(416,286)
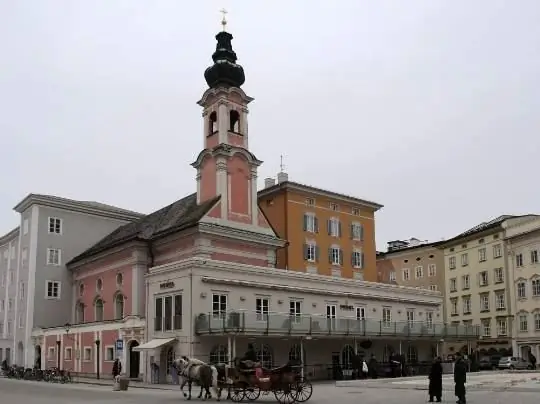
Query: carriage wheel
(252,393)
(286,394)
(237,393)
(304,390)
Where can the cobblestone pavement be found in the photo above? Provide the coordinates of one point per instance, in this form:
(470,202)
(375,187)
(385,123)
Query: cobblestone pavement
(26,392)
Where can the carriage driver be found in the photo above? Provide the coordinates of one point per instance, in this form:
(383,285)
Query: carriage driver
(250,355)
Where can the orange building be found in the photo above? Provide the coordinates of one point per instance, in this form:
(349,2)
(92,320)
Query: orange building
(327,233)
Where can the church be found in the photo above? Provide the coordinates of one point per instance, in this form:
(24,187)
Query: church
(199,278)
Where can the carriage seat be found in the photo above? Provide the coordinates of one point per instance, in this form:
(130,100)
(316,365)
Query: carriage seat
(278,369)
(248,367)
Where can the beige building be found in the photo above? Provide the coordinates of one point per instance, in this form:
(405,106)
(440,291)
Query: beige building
(523,249)
(478,284)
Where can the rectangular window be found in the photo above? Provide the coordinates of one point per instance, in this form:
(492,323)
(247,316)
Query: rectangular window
(53,290)
(11,277)
(452,262)
(429,319)
(386,317)
(481,254)
(3,278)
(535,287)
(334,207)
(55,225)
(534,257)
(158,319)
(519,260)
(502,327)
(419,272)
(334,227)
(464,260)
(484,302)
(536,322)
(311,252)
(219,305)
(410,317)
(331,315)
(53,256)
(433,288)
(87,354)
(360,313)
(406,274)
(335,256)
(168,311)
(68,354)
(356,211)
(262,308)
(454,307)
(453,285)
(178,312)
(392,276)
(24,256)
(295,310)
(357,259)
(486,328)
(357,231)
(466,281)
(50,353)
(310,202)
(2,308)
(497,251)
(109,353)
(311,223)
(523,323)
(500,301)
(522,290)
(484,278)
(499,275)
(432,270)
(466,305)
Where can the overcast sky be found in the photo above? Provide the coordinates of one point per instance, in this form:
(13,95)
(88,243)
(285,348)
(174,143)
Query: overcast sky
(431,108)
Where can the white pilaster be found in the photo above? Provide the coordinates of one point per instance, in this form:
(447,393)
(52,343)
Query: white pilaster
(206,119)
(198,178)
(253,197)
(222,185)
(135,288)
(244,126)
(223,121)
(31,289)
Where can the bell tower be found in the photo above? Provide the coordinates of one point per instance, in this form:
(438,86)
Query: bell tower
(225,166)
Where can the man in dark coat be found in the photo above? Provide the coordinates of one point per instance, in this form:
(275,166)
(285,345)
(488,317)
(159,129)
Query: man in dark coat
(117,368)
(435,380)
(372,367)
(532,358)
(250,354)
(460,378)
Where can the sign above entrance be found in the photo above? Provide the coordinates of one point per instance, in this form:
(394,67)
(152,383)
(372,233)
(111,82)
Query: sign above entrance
(346,307)
(166,285)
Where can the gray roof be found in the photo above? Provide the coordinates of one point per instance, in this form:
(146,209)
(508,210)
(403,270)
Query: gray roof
(177,216)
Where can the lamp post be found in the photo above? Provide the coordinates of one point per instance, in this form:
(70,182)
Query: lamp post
(58,347)
(98,343)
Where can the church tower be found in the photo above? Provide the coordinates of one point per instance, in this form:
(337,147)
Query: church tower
(226,167)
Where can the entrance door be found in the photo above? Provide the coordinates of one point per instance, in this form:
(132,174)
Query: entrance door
(38,356)
(134,360)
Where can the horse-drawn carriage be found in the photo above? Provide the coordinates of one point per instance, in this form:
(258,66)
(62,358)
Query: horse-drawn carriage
(285,382)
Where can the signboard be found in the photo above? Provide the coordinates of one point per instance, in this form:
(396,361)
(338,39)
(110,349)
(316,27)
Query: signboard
(166,285)
(119,345)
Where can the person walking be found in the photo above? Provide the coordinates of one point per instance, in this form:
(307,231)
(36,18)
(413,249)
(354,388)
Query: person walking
(532,358)
(117,368)
(435,380)
(460,378)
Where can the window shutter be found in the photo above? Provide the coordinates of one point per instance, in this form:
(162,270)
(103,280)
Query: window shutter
(305,222)
(316,222)
(330,255)
(361,232)
(340,256)
(317,253)
(305,251)
(352,258)
(329,226)
(339,228)
(361,260)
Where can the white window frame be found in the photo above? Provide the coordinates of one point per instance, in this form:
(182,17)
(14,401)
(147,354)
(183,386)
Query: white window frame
(484,278)
(522,289)
(334,207)
(311,251)
(467,306)
(54,224)
(392,276)
(311,222)
(464,259)
(453,285)
(337,255)
(500,304)
(432,270)
(411,317)
(482,254)
(519,260)
(10,304)
(310,201)
(452,262)
(499,275)
(486,328)
(357,259)
(497,251)
(331,315)
(537,321)
(262,308)
(502,327)
(433,288)
(355,211)
(87,354)
(484,302)
(535,287)
(59,289)
(109,349)
(454,309)
(334,224)
(387,317)
(219,313)
(51,353)
(21,321)
(360,312)
(295,310)
(534,256)
(523,322)
(9,330)
(466,280)
(406,274)
(357,231)
(54,253)
(429,319)
(419,272)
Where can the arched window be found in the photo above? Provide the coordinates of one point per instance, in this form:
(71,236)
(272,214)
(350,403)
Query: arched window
(347,356)
(264,355)
(119,279)
(234,124)
(119,301)
(412,354)
(218,354)
(170,358)
(98,306)
(212,123)
(294,354)
(79,312)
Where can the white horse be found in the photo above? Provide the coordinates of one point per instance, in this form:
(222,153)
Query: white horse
(191,369)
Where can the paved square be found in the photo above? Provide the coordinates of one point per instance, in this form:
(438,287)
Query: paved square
(26,392)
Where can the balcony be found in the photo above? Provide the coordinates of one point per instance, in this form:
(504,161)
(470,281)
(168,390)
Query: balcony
(250,323)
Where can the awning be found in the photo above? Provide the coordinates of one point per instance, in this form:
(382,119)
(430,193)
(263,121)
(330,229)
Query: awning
(153,344)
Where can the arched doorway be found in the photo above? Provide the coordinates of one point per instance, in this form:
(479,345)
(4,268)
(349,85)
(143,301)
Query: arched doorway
(20,354)
(134,360)
(37,351)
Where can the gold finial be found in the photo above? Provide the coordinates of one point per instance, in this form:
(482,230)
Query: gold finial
(224,19)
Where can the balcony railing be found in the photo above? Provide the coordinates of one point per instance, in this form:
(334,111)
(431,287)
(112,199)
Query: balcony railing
(245,322)
(167,323)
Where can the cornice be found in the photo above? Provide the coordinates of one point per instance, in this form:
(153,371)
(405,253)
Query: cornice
(10,236)
(130,245)
(75,206)
(226,150)
(227,91)
(312,191)
(368,289)
(241,235)
(411,251)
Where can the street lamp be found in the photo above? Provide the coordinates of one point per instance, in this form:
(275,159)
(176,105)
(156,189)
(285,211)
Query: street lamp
(98,343)
(58,347)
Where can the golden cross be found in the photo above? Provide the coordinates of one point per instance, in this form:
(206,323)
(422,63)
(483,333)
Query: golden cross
(223,20)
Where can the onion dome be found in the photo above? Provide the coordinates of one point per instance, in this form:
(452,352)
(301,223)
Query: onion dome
(225,71)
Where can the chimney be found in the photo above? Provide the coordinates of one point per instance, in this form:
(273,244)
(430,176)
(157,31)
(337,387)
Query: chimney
(269,182)
(282,177)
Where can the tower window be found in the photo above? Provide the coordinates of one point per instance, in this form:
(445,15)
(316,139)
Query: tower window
(234,121)
(212,123)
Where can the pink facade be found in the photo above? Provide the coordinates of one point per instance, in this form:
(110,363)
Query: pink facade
(208,179)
